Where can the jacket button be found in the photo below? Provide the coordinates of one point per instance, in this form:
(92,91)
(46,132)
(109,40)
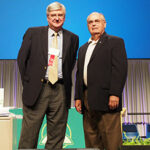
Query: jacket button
(42,80)
(45,67)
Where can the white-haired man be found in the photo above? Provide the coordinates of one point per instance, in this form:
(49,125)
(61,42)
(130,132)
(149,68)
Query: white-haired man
(101,75)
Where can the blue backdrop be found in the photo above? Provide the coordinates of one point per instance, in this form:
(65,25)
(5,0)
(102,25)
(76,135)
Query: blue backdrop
(129,19)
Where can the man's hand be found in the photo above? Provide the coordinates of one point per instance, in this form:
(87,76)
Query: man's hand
(113,102)
(78,105)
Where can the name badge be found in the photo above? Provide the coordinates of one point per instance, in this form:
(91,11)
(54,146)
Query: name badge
(53,51)
(51,60)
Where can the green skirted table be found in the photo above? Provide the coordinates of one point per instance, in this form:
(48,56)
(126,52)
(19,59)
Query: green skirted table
(74,137)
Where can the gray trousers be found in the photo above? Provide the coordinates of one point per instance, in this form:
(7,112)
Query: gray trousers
(52,103)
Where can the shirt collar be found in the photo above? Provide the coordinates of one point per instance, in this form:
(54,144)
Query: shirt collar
(51,32)
(92,41)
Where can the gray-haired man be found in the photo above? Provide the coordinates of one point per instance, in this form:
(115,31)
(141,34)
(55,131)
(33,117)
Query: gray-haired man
(41,96)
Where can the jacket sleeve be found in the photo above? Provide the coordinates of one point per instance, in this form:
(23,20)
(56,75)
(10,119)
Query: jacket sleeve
(79,79)
(24,53)
(119,67)
(76,46)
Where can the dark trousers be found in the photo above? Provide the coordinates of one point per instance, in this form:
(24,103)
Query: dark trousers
(101,130)
(52,103)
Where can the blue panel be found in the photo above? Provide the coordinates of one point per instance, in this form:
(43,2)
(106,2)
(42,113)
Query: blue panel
(129,19)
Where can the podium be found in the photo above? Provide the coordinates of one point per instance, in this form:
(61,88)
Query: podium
(8,133)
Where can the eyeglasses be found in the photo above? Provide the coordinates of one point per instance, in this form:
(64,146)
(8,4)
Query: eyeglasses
(56,16)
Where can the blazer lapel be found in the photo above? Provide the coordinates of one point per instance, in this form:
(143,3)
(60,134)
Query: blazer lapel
(65,44)
(44,39)
(98,45)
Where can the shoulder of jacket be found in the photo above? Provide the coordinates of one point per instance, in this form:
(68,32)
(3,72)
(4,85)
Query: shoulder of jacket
(40,28)
(113,37)
(70,33)
(83,47)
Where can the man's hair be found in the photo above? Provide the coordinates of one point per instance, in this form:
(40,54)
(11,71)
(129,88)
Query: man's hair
(55,6)
(100,14)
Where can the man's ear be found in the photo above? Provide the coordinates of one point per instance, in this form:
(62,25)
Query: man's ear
(105,25)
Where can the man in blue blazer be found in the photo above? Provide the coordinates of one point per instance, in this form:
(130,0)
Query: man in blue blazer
(100,78)
(40,96)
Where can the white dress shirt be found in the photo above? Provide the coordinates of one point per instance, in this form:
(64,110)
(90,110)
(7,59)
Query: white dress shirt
(88,55)
(60,45)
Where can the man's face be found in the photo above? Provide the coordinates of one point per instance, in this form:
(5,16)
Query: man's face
(96,24)
(56,19)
